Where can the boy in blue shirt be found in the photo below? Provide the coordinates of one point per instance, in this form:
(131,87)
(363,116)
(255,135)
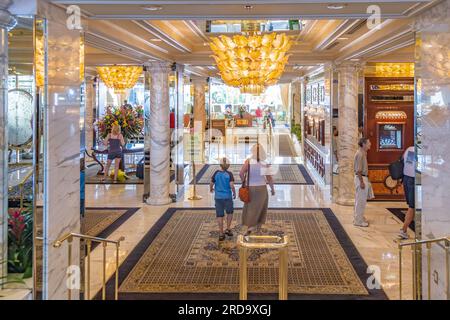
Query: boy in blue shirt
(222,182)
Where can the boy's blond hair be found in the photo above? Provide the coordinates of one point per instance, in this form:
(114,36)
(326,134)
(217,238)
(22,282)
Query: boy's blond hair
(224,164)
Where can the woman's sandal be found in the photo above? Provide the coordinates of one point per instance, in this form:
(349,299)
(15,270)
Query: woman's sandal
(222,237)
(229,233)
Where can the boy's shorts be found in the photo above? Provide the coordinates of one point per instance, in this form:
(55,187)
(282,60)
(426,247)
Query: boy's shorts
(222,206)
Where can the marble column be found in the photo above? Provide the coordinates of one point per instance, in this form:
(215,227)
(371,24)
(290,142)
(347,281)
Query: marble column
(159,133)
(302,116)
(199,102)
(61,111)
(348,130)
(91,96)
(432,72)
(296,92)
(7,21)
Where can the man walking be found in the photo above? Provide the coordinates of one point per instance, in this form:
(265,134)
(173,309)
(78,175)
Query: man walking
(363,187)
(409,173)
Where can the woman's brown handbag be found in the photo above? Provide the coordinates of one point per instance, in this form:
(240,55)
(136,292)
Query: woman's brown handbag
(244,191)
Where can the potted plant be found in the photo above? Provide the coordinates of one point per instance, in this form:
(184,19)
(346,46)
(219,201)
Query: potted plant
(20,242)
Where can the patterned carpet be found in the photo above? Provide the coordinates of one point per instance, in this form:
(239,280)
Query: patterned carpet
(401,214)
(286,147)
(181,258)
(283,174)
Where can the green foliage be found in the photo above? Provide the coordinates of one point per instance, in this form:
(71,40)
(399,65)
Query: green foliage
(20,241)
(296,129)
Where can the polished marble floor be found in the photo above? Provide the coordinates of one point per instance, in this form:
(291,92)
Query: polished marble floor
(377,244)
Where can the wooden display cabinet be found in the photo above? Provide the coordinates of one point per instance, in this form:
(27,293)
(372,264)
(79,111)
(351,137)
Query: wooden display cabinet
(389,124)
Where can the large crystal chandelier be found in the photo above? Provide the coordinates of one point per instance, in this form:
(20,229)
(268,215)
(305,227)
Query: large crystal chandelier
(251,62)
(120,78)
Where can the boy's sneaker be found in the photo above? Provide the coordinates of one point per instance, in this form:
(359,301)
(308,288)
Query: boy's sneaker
(229,233)
(362,224)
(403,235)
(222,237)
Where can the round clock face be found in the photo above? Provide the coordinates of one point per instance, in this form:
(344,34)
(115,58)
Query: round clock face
(390,183)
(20,117)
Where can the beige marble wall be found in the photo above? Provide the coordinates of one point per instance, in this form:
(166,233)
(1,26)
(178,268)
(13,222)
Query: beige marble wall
(348,130)
(61,150)
(159,133)
(433,126)
(6,21)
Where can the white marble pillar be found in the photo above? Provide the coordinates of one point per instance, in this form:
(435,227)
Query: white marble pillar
(159,133)
(61,151)
(432,72)
(296,93)
(91,97)
(7,21)
(348,130)
(199,102)
(302,116)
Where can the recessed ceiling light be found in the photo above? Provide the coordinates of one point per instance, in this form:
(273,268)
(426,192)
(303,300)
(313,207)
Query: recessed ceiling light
(152,8)
(155,40)
(248,7)
(336,6)
(343,38)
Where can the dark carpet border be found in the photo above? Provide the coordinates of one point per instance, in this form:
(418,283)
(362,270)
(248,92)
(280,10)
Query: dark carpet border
(349,248)
(401,216)
(303,170)
(116,224)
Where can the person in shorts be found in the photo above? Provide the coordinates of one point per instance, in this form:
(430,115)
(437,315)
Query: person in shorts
(409,185)
(222,184)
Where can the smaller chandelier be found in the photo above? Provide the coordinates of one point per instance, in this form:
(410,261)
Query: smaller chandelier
(120,78)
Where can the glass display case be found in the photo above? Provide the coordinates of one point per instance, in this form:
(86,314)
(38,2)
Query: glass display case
(390,136)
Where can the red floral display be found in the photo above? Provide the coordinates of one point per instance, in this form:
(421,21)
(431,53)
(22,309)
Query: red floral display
(130,120)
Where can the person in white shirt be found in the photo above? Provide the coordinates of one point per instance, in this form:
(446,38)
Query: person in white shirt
(409,173)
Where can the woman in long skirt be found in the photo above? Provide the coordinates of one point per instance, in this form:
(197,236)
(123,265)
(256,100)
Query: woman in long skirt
(258,175)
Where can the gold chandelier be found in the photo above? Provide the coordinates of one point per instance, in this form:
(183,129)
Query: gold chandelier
(120,78)
(251,62)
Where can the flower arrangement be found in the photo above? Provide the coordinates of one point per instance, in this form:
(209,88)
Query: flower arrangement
(20,241)
(130,120)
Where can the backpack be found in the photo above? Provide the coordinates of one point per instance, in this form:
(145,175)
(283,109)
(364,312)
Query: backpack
(396,169)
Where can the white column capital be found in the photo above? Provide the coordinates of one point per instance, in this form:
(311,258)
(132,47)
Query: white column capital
(159,66)
(7,20)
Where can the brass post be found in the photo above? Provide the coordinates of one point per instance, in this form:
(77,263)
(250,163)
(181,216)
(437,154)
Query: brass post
(104,271)
(429,270)
(414,275)
(116,288)
(400,271)
(194,195)
(447,267)
(243,273)
(88,276)
(283,274)
(69,263)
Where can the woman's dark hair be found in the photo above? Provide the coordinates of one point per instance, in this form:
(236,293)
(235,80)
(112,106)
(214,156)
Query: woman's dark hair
(362,141)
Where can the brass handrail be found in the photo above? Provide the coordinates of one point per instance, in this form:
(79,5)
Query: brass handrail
(21,184)
(89,239)
(280,243)
(416,246)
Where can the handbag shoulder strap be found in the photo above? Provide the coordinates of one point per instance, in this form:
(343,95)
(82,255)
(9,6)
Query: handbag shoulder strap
(246,181)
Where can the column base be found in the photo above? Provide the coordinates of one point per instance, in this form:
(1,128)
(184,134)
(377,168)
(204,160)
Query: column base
(345,202)
(159,201)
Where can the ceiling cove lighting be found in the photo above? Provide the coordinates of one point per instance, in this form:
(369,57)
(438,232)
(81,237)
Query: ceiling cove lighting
(251,62)
(152,8)
(336,6)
